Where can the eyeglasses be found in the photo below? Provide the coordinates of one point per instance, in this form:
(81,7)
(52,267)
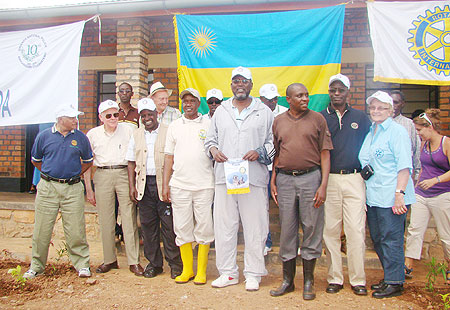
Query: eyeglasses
(425,117)
(108,116)
(335,90)
(215,102)
(238,81)
(124,91)
(381,109)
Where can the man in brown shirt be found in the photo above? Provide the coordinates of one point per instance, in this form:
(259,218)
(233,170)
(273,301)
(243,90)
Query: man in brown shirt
(301,167)
(127,113)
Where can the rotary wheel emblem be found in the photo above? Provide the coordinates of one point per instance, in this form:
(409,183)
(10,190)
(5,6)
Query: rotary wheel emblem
(431,40)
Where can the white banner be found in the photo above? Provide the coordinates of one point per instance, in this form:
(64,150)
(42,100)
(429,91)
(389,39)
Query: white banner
(39,73)
(411,41)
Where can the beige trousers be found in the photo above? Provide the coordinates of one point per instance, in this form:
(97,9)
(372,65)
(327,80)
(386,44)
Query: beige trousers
(108,183)
(192,215)
(421,211)
(345,205)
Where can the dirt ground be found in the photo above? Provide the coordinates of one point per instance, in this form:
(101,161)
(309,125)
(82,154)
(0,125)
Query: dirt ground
(120,289)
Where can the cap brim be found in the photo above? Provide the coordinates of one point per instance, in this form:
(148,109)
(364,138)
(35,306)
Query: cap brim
(169,91)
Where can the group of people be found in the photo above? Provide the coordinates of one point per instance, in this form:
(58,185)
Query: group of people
(325,171)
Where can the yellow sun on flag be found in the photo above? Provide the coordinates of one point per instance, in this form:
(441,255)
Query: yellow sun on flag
(202,41)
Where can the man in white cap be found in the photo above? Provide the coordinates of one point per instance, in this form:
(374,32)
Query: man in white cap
(109,144)
(241,129)
(191,186)
(214,98)
(160,96)
(268,93)
(145,157)
(62,154)
(346,200)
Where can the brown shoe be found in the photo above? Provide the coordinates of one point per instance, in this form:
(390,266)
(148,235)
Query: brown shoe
(106,267)
(137,269)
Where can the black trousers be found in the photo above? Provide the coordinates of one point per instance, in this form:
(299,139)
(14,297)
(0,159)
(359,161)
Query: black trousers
(156,220)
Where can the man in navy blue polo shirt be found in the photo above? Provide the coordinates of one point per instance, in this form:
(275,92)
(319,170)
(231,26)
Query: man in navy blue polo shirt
(62,153)
(345,203)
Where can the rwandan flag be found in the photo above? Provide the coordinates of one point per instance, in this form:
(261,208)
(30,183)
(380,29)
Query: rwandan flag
(279,48)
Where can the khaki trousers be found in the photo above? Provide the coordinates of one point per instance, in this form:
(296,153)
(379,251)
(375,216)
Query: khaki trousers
(192,215)
(108,183)
(421,211)
(69,199)
(345,205)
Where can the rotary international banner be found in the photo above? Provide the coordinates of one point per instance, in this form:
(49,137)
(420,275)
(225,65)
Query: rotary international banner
(279,48)
(411,41)
(40,73)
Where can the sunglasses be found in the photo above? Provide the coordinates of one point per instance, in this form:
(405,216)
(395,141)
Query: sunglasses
(215,102)
(108,116)
(238,81)
(425,117)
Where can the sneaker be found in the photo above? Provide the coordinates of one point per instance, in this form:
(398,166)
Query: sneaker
(267,249)
(224,280)
(30,274)
(251,284)
(84,272)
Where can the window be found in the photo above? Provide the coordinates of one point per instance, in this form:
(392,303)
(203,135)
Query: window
(416,96)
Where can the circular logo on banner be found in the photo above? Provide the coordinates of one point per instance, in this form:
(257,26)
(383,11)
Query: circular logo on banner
(202,41)
(32,51)
(431,40)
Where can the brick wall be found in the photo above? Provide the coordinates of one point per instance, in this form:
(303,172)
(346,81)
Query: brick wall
(87,102)
(356,74)
(12,151)
(162,40)
(356,29)
(89,42)
(169,78)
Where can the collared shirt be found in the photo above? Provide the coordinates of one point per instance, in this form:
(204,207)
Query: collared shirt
(279,109)
(168,115)
(192,168)
(150,139)
(415,141)
(60,156)
(110,149)
(347,133)
(388,150)
(131,119)
(239,117)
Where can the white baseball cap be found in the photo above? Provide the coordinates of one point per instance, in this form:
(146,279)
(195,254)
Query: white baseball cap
(108,104)
(216,93)
(191,91)
(340,77)
(245,72)
(269,91)
(68,111)
(146,104)
(158,86)
(382,96)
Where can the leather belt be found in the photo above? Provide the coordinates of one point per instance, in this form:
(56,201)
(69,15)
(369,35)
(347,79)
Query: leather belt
(344,171)
(112,167)
(70,181)
(297,172)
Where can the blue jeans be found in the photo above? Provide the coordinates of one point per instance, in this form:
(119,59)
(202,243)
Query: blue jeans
(387,232)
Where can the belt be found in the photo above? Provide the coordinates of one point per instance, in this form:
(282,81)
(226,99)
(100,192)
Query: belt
(297,172)
(112,167)
(70,181)
(345,171)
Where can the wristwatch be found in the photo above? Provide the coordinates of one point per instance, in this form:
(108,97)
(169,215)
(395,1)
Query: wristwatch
(400,191)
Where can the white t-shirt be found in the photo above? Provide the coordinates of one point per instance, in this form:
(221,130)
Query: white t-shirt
(192,168)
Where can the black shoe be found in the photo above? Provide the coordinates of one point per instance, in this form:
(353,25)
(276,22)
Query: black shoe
(309,292)
(174,272)
(408,273)
(378,286)
(289,268)
(333,288)
(151,272)
(389,290)
(359,290)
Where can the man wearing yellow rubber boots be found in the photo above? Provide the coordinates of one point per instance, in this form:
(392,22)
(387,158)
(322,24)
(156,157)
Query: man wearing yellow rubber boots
(188,183)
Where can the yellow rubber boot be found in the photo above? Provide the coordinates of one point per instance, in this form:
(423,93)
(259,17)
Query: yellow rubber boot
(188,264)
(202,262)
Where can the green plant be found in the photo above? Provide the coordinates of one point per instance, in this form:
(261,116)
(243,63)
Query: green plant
(446,300)
(60,253)
(434,269)
(16,273)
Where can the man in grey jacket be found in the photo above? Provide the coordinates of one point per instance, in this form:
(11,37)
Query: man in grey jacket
(241,129)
